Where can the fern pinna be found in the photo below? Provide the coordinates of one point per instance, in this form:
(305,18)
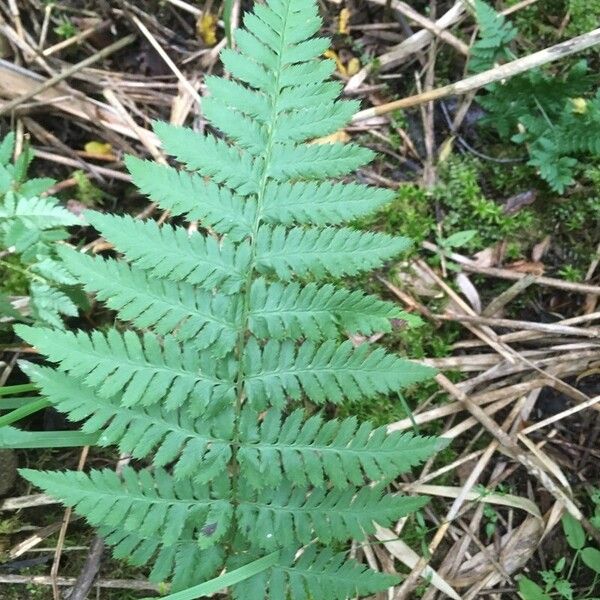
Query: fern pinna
(237,331)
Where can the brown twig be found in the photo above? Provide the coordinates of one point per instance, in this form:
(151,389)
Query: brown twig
(49,83)
(505,71)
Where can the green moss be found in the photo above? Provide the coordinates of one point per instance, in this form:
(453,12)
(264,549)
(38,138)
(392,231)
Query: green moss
(583,16)
(410,215)
(14,279)
(466,207)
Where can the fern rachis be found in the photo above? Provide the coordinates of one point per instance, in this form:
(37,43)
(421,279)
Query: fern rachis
(234,341)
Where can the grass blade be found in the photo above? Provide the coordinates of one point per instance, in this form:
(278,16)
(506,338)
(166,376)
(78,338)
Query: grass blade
(226,580)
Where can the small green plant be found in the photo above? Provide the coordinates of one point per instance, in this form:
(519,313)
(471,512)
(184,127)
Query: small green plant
(237,352)
(557,582)
(494,36)
(65,29)
(557,117)
(86,192)
(30,227)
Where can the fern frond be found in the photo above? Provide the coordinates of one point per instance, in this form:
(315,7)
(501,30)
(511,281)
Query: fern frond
(173,253)
(148,370)
(315,312)
(324,203)
(292,516)
(495,33)
(325,373)
(239,338)
(209,320)
(170,438)
(210,157)
(323,251)
(49,303)
(316,161)
(315,452)
(314,574)
(38,213)
(149,504)
(189,194)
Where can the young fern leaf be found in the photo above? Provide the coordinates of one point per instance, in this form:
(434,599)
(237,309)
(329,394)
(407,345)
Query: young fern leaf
(232,339)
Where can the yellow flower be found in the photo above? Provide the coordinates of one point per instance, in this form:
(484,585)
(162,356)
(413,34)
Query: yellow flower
(207,29)
(344,17)
(579,105)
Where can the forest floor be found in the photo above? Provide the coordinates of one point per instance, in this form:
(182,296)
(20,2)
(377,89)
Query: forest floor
(504,273)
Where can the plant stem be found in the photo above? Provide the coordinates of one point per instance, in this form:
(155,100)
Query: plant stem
(250,278)
(7,390)
(23,411)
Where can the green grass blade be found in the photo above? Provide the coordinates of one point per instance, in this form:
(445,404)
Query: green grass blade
(16,439)
(227,10)
(23,411)
(223,581)
(16,402)
(8,390)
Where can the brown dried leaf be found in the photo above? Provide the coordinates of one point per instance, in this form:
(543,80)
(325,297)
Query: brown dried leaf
(492,256)
(517,547)
(538,251)
(465,285)
(515,203)
(524,266)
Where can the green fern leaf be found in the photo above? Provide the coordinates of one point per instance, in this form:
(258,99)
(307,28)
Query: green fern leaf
(147,370)
(315,312)
(38,213)
(209,320)
(184,561)
(495,33)
(323,251)
(173,253)
(7,147)
(325,203)
(48,304)
(316,161)
(189,194)
(142,502)
(292,516)
(313,452)
(326,373)
(172,438)
(315,574)
(210,157)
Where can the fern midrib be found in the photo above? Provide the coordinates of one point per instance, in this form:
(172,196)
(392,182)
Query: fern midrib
(335,510)
(361,452)
(246,290)
(114,495)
